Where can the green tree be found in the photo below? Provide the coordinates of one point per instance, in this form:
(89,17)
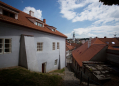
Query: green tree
(110,2)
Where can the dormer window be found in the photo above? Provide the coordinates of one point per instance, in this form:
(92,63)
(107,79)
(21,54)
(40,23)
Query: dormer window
(107,42)
(39,24)
(53,30)
(7,13)
(4,10)
(113,42)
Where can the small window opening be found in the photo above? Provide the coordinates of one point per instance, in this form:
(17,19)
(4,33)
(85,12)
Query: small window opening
(53,45)
(107,42)
(113,42)
(55,62)
(7,13)
(39,46)
(38,24)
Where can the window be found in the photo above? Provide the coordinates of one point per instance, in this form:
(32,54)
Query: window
(107,42)
(55,62)
(5,46)
(53,30)
(7,13)
(39,46)
(39,24)
(1,46)
(53,45)
(113,42)
(57,45)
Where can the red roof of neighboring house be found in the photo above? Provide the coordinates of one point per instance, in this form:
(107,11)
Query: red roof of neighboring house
(23,21)
(73,44)
(109,41)
(69,47)
(76,45)
(83,53)
(111,48)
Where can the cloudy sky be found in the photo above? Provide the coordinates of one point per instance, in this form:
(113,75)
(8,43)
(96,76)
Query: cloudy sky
(87,18)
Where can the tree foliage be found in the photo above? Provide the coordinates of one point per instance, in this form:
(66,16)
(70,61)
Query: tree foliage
(110,2)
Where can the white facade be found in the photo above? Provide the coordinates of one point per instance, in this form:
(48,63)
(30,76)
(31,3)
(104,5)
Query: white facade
(29,55)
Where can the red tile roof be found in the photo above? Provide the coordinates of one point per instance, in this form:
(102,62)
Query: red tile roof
(110,40)
(23,21)
(69,47)
(111,48)
(83,53)
(73,44)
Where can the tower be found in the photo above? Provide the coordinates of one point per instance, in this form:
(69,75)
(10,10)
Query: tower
(74,37)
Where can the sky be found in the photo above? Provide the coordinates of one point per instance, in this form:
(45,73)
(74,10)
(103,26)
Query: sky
(87,18)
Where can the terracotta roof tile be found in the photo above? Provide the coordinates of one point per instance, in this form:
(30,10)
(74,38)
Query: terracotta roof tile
(83,53)
(112,48)
(110,40)
(23,21)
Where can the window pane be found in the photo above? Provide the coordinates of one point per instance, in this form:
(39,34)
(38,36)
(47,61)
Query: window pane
(7,45)
(35,23)
(7,50)
(12,15)
(1,45)
(1,41)
(0,50)
(55,62)
(7,40)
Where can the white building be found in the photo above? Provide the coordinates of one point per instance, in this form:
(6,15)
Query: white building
(29,42)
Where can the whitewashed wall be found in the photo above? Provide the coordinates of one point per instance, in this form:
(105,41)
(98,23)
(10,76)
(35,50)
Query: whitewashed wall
(47,55)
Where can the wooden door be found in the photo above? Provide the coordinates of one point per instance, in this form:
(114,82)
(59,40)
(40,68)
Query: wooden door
(43,67)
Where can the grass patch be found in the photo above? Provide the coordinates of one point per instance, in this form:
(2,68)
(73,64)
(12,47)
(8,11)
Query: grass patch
(23,77)
(59,71)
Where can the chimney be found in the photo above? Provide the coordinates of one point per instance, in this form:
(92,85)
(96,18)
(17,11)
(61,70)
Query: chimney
(89,42)
(31,13)
(105,37)
(44,21)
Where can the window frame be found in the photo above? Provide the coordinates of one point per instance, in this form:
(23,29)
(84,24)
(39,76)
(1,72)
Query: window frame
(57,45)
(39,47)
(3,46)
(53,45)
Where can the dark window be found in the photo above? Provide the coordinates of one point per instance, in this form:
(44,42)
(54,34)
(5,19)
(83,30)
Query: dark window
(7,13)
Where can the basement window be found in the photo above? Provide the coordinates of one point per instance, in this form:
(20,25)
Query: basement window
(113,42)
(5,46)
(40,46)
(7,13)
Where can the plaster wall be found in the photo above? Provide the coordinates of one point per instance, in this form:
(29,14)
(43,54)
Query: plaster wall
(47,55)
